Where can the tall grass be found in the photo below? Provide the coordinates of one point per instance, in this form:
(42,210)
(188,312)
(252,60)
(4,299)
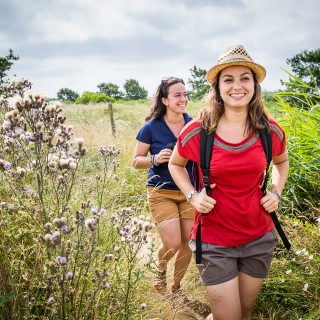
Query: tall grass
(102,264)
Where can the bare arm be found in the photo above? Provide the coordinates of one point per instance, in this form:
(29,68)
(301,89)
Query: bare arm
(200,201)
(280,170)
(141,160)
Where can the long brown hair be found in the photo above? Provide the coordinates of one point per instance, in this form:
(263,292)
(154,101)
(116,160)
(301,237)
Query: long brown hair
(158,109)
(257,115)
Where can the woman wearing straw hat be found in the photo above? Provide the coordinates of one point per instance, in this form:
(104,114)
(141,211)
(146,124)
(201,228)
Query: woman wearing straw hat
(172,212)
(237,232)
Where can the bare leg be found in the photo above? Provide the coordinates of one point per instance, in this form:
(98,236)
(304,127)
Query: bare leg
(184,253)
(249,288)
(234,299)
(224,300)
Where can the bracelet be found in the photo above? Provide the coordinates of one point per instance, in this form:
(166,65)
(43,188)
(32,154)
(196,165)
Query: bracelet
(153,161)
(278,193)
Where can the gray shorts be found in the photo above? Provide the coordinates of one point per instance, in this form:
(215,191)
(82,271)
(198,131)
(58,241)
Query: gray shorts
(220,264)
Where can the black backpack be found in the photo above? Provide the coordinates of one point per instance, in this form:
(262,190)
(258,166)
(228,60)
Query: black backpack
(206,145)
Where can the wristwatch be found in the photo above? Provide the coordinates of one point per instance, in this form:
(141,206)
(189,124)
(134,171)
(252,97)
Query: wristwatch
(278,193)
(190,194)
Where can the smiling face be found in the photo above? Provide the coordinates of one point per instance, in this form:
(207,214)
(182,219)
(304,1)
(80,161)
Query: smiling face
(177,99)
(236,84)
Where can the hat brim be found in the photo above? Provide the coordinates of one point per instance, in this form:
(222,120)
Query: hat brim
(259,70)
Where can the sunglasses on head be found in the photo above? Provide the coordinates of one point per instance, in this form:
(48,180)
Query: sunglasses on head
(167,80)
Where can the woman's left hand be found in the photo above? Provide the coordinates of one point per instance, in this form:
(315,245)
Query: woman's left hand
(270,201)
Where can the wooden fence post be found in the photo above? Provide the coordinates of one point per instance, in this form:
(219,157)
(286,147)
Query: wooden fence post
(113,126)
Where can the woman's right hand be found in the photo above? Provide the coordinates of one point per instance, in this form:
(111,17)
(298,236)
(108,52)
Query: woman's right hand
(202,202)
(163,156)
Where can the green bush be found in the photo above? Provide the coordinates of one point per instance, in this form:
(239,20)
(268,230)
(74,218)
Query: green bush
(92,97)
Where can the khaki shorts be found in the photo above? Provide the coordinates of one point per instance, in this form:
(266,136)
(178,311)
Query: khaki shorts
(220,264)
(169,204)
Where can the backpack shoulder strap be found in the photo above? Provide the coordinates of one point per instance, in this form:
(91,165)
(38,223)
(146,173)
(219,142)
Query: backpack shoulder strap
(206,145)
(267,147)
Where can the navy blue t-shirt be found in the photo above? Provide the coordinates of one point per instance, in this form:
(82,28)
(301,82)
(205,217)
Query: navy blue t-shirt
(157,133)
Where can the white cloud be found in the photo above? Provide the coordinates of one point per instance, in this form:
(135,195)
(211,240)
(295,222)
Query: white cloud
(79,44)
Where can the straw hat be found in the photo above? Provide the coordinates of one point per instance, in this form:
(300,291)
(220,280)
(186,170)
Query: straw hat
(236,56)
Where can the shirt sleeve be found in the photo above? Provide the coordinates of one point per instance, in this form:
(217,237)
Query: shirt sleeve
(144,135)
(278,139)
(188,143)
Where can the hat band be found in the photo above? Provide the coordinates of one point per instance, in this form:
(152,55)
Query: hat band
(234,60)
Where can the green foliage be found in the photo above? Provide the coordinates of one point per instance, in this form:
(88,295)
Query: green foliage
(304,79)
(66,243)
(133,91)
(303,144)
(305,64)
(66,94)
(199,84)
(92,97)
(6,64)
(111,90)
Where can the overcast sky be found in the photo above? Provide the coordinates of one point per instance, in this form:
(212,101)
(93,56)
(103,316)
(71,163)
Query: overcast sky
(79,43)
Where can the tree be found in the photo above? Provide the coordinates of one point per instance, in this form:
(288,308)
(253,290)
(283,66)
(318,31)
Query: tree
(65,94)
(305,63)
(305,79)
(6,63)
(133,91)
(111,90)
(199,83)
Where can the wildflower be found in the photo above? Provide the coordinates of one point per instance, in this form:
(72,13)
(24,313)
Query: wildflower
(63,163)
(21,171)
(106,285)
(135,220)
(143,305)
(310,257)
(69,275)
(142,217)
(93,211)
(55,238)
(63,260)
(146,226)
(91,224)
(305,287)
(103,211)
(79,142)
(39,125)
(122,232)
(51,300)
(289,271)
(72,165)
(116,249)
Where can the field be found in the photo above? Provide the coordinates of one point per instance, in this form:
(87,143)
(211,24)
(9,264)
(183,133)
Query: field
(77,240)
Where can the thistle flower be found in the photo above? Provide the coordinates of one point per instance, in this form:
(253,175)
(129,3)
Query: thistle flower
(69,275)
(79,142)
(62,260)
(91,224)
(143,305)
(51,300)
(94,211)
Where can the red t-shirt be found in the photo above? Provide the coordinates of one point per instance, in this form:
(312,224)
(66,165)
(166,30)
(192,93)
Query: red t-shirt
(237,170)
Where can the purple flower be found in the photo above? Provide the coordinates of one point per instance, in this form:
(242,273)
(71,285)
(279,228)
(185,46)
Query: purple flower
(93,211)
(51,300)
(64,227)
(116,249)
(63,260)
(122,232)
(143,305)
(107,285)
(7,165)
(103,211)
(69,275)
